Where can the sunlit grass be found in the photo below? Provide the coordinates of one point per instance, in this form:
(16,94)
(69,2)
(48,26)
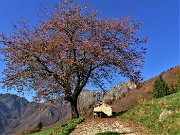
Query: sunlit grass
(147,114)
(63,129)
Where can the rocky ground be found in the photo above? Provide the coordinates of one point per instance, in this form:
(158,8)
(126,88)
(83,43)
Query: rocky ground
(92,126)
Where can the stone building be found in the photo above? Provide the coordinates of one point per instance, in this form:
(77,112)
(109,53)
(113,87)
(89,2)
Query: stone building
(102,110)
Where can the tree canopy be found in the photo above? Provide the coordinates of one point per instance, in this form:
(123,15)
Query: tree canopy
(68,49)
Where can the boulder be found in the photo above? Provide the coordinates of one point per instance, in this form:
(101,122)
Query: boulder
(165,113)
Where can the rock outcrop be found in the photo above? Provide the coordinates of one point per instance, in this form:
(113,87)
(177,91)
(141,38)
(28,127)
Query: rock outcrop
(165,113)
(88,98)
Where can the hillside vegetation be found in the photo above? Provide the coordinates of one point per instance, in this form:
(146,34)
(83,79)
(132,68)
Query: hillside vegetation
(134,97)
(147,114)
(63,129)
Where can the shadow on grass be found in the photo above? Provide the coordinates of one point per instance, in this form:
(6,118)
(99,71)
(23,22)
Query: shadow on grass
(117,114)
(108,133)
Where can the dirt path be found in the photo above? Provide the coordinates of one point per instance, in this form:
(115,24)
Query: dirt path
(92,126)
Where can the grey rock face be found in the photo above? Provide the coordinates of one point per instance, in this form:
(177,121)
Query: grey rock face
(117,91)
(89,97)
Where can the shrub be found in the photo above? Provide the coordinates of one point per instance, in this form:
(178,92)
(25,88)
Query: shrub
(34,130)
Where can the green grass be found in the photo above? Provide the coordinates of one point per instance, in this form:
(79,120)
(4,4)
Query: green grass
(69,126)
(63,129)
(147,114)
(108,133)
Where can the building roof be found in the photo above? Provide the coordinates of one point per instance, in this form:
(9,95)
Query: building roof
(101,103)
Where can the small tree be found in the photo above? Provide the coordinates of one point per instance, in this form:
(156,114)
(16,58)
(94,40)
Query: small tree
(178,88)
(40,125)
(160,88)
(68,49)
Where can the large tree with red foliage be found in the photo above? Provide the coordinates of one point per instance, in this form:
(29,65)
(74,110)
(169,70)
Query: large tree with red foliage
(68,49)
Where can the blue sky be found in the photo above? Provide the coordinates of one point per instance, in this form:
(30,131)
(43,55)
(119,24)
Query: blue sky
(160,24)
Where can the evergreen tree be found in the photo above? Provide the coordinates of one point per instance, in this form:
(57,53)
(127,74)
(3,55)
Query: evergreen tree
(178,88)
(160,88)
(40,125)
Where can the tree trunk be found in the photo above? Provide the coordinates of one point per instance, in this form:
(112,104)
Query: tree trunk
(74,108)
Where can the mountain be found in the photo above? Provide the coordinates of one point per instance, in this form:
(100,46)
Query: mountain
(11,108)
(17,113)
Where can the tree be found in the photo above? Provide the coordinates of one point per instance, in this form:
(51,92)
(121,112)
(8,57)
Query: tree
(40,125)
(160,88)
(178,87)
(68,49)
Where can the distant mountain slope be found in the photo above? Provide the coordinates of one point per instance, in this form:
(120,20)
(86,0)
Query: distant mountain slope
(17,113)
(11,109)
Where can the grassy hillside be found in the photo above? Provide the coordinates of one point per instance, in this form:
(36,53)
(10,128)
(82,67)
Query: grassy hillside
(147,114)
(63,129)
(134,97)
